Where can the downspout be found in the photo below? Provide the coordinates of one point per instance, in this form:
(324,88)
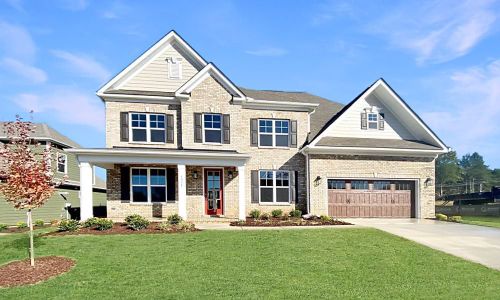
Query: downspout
(308,181)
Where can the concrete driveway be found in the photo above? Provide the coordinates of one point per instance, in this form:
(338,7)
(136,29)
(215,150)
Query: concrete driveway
(476,243)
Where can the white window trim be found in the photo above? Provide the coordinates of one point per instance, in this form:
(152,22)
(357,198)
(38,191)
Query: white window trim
(203,128)
(65,163)
(274,187)
(148,128)
(273,134)
(368,120)
(170,62)
(148,185)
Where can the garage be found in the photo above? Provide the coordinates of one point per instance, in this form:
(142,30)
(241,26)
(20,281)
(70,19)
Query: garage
(371,198)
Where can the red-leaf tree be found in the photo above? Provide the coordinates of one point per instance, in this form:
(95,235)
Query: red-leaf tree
(29,180)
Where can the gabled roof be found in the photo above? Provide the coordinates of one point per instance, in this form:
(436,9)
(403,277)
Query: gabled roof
(209,70)
(405,109)
(330,141)
(44,132)
(149,55)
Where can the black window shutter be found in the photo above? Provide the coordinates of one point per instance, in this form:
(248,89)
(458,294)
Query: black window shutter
(293,134)
(254,132)
(171,187)
(197,128)
(293,186)
(255,186)
(124,126)
(169,128)
(364,122)
(226,129)
(125,183)
(381,121)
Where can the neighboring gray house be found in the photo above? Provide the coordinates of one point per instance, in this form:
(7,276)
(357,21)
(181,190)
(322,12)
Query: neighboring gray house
(181,137)
(63,164)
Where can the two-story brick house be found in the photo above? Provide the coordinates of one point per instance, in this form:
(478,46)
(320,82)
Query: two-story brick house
(182,138)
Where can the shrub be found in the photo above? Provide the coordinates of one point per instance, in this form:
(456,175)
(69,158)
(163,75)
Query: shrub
(136,222)
(174,219)
(265,216)
(90,222)
(325,218)
(185,226)
(69,225)
(457,219)
(441,217)
(39,223)
(3,227)
(277,213)
(296,213)
(165,226)
(21,225)
(103,224)
(255,214)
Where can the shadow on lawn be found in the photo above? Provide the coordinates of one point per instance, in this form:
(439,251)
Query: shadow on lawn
(22,242)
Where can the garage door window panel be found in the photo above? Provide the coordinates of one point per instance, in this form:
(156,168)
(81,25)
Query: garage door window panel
(359,184)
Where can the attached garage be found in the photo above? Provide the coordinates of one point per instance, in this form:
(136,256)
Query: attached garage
(348,198)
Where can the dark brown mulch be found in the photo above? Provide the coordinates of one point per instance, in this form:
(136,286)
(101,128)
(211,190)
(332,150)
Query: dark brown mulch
(118,228)
(278,222)
(19,230)
(21,272)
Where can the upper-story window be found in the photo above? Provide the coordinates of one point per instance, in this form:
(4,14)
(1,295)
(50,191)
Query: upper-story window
(372,121)
(273,133)
(147,127)
(174,68)
(62,165)
(212,128)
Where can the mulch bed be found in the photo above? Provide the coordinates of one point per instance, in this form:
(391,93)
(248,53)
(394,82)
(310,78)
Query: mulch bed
(119,228)
(278,222)
(21,273)
(20,230)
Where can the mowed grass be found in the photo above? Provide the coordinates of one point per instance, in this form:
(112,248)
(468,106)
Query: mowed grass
(482,220)
(291,264)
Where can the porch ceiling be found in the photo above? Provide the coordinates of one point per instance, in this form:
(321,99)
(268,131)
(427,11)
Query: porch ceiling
(107,157)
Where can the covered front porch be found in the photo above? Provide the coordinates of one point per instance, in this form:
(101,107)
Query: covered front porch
(196,184)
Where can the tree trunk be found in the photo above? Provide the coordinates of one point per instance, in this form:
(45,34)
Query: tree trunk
(32,248)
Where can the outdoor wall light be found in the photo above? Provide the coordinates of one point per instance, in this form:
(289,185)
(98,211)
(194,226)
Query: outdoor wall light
(230,174)
(429,182)
(195,174)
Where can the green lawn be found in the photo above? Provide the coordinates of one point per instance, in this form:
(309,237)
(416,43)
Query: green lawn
(483,221)
(315,263)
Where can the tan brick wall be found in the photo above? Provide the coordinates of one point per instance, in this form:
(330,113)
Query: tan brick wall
(363,167)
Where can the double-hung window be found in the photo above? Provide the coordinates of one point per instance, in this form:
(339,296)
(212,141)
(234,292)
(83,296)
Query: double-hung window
(274,186)
(149,128)
(212,124)
(372,121)
(148,185)
(273,133)
(62,163)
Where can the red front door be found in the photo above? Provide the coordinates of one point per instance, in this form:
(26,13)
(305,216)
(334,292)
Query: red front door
(213,191)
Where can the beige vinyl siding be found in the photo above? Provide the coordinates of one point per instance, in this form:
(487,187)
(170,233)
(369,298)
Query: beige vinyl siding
(52,209)
(154,76)
(349,124)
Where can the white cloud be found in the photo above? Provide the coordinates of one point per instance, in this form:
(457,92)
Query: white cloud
(67,104)
(469,122)
(330,11)
(83,65)
(437,31)
(74,5)
(30,73)
(270,51)
(16,42)
(115,11)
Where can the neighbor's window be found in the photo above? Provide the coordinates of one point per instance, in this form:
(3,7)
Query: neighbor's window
(359,185)
(273,133)
(372,121)
(62,163)
(148,127)
(212,132)
(336,184)
(381,185)
(148,185)
(274,186)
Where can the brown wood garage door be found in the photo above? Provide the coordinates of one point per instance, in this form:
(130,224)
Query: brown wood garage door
(374,199)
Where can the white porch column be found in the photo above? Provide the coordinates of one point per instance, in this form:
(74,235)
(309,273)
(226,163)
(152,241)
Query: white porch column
(241,193)
(86,201)
(181,184)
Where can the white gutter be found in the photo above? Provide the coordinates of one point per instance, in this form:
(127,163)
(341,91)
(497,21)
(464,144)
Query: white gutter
(369,151)
(150,153)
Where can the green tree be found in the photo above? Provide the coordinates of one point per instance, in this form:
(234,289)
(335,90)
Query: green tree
(448,170)
(475,170)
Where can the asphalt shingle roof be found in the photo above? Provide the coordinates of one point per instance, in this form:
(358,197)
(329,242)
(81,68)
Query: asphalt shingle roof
(329,141)
(45,132)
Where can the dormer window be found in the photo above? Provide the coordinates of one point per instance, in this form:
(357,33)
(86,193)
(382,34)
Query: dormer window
(372,121)
(174,67)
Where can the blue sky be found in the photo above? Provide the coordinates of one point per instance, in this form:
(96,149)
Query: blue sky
(442,57)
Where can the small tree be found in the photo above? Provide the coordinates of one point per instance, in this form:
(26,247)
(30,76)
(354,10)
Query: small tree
(29,181)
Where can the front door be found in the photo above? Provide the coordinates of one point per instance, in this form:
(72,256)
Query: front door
(213,192)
